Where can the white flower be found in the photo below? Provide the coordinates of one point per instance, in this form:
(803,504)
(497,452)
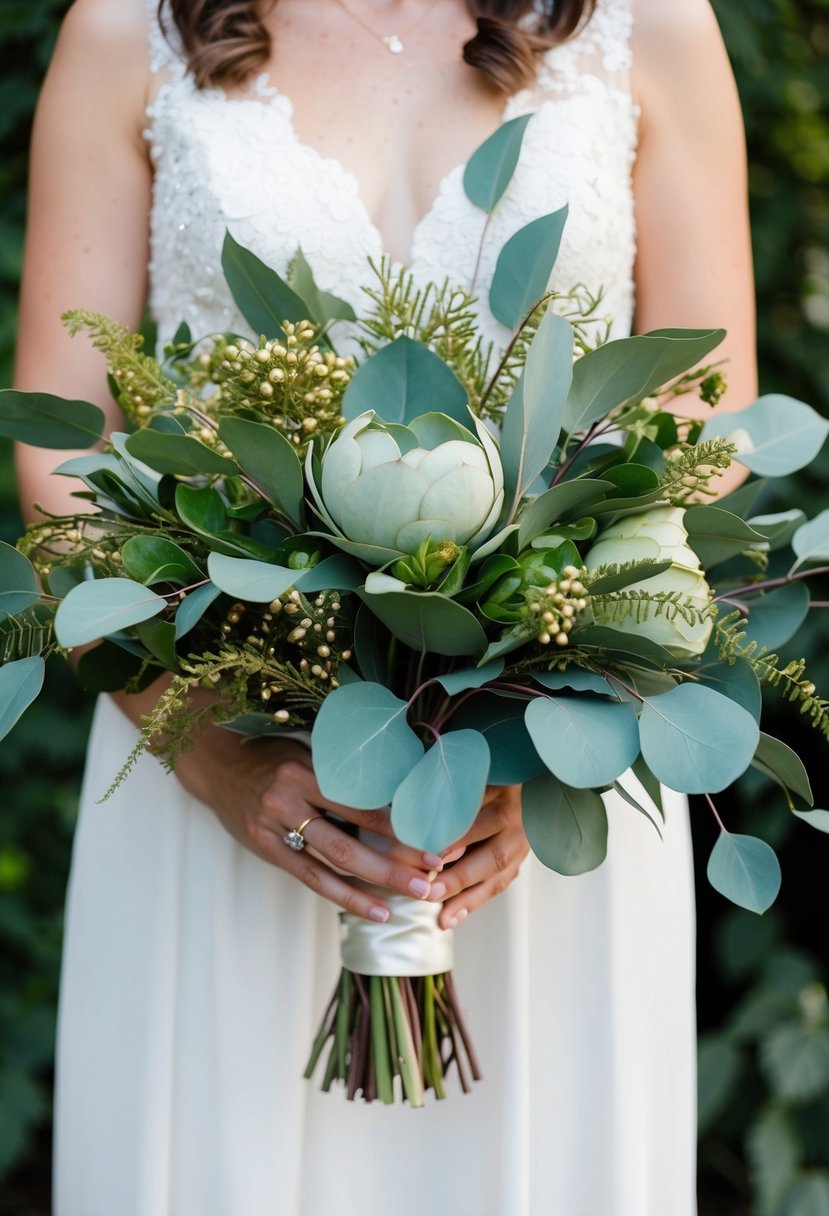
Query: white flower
(378,487)
(658,535)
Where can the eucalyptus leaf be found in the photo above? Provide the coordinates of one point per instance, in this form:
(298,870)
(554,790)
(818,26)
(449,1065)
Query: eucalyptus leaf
(523,269)
(20,684)
(695,740)
(500,720)
(193,607)
(154,559)
(716,535)
(566,828)
(362,745)
(532,419)
(322,305)
(403,380)
(778,761)
(201,508)
(454,682)
(253,581)
(811,541)
(744,870)
(776,436)
(159,637)
(102,606)
(18,581)
(648,782)
(489,170)
(263,298)
(269,460)
(584,741)
(437,802)
(780,527)
(631,368)
(337,573)
(178,454)
(427,621)
(736,680)
(49,422)
(576,678)
(818,819)
(627,797)
(619,644)
(776,616)
(559,503)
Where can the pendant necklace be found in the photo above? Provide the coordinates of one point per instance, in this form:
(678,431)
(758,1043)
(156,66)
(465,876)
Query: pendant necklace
(392,42)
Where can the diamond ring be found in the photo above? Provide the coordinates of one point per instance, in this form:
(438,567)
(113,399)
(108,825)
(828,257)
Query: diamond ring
(295,839)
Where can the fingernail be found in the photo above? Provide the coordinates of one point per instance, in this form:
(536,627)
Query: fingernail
(462,914)
(451,922)
(438,890)
(432,875)
(381,915)
(433,861)
(420,887)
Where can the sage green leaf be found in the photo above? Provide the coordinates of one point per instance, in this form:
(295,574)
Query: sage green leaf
(775,1152)
(780,527)
(742,500)
(18,581)
(695,740)
(776,616)
(778,761)
(20,684)
(817,819)
(777,435)
(434,428)
(523,269)
(490,168)
(374,556)
(159,637)
(627,797)
(716,535)
(337,573)
(253,581)
(584,741)
(566,828)
(719,1065)
(263,298)
(201,508)
(371,646)
(322,305)
(576,678)
(98,607)
(795,1059)
(437,802)
(580,529)
(193,607)
(808,1195)
(811,541)
(178,454)
(532,419)
(362,745)
(500,720)
(630,368)
(648,782)
(559,503)
(454,682)
(736,680)
(427,621)
(744,870)
(403,380)
(154,559)
(49,422)
(618,644)
(269,460)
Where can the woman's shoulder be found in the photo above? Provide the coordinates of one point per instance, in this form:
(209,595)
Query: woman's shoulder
(678,51)
(119,28)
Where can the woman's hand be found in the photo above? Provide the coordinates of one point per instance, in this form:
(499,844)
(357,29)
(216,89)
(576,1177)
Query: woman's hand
(494,848)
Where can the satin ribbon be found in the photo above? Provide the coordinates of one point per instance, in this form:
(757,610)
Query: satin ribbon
(409,943)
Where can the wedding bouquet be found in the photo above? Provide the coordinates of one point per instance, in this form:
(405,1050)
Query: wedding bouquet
(453,567)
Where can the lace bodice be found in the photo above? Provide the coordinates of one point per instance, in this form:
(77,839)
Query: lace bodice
(238,164)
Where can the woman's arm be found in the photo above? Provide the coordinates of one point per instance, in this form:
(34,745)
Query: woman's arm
(87,247)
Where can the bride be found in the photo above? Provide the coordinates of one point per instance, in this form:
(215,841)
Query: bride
(198,950)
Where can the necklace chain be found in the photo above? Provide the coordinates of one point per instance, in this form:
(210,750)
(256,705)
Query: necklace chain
(392,42)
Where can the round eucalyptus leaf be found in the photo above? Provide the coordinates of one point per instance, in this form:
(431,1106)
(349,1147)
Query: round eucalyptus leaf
(18,582)
(154,559)
(744,870)
(20,684)
(584,741)
(362,745)
(245,579)
(566,828)
(818,819)
(775,617)
(737,681)
(427,621)
(777,435)
(811,540)
(101,606)
(193,607)
(436,803)
(695,740)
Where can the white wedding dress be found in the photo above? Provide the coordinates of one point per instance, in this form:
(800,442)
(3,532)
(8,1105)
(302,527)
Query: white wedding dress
(195,974)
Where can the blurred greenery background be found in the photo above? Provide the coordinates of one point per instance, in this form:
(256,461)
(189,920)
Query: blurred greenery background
(764,1019)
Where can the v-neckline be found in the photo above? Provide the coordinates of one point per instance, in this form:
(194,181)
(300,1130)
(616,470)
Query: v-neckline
(263,92)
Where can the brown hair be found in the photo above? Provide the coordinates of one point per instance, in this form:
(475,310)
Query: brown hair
(226,40)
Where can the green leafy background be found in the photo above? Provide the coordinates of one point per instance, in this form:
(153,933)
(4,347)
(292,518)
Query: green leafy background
(764,1020)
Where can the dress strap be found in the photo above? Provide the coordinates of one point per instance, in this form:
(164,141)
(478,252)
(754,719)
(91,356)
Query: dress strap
(166,53)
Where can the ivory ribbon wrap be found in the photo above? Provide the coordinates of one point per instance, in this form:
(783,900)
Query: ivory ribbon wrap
(409,943)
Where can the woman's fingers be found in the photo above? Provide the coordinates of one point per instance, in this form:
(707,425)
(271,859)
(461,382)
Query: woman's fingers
(359,860)
(456,910)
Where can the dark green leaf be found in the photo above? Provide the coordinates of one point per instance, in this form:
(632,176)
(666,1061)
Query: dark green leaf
(154,559)
(264,299)
(716,535)
(18,582)
(427,621)
(403,380)
(558,503)
(49,422)
(490,168)
(566,828)
(268,459)
(522,272)
(178,454)
(322,307)
(784,766)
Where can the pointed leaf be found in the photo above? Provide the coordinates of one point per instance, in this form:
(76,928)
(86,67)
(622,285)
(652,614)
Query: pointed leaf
(778,761)
(191,610)
(252,581)
(522,272)
(49,422)
(696,741)
(20,684)
(322,306)
(745,870)
(269,459)
(559,503)
(490,168)
(427,621)
(811,540)
(101,606)
(631,368)
(817,819)
(585,741)
(178,454)
(780,527)
(716,535)
(566,828)
(18,582)
(438,801)
(403,380)
(263,298)
(777,435)
(362,746)
(337,573)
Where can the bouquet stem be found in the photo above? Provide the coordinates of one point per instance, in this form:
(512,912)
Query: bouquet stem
(381,1027)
